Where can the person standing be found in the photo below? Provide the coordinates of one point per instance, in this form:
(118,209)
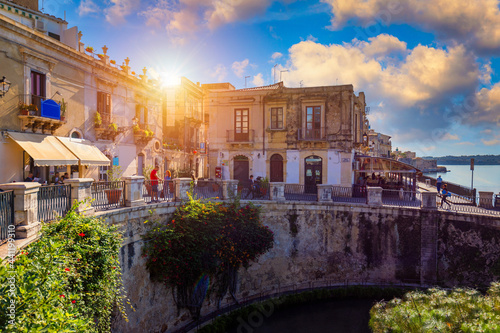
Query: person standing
(166,183)
(55,178)
(251,187)
(154,184)
(29,178)
(439,181)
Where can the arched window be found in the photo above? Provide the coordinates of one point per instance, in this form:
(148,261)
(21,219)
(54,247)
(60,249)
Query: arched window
(276,166)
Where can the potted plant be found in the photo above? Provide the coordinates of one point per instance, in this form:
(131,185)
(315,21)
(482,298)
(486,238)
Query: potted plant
(89,49)
(63,105)
(32,109)
(23,109)
(113,127)
(264,185)
(114,192)
(97,119)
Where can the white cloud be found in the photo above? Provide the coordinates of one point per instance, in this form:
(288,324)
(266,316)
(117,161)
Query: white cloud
(258,80)
(487,109)
(239,67)
(119,10)
(220,12)
(493,142)
(383,45)
(449,136)
(276,55)
(464,143)
(87,7)
(475,22)
(219,73)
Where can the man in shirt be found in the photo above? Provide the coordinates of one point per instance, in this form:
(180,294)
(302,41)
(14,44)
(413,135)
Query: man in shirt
(439,181)
(154,184)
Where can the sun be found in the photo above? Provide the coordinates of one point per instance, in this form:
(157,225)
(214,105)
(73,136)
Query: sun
(169,79)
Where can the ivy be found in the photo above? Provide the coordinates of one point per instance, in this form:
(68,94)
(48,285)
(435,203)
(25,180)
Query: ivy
(199,250)
(68,281)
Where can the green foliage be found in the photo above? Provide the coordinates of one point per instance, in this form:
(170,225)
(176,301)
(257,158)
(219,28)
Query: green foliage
(459,310)
(113,127)
(146,171)
(97,119)
(68,281)
(205,239)
(114,173)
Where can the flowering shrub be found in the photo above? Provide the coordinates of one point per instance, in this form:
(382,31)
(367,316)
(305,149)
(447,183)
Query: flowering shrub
(202,247)
(459,310)
(68,281)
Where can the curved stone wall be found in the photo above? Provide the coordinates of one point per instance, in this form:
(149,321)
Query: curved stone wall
(336,242)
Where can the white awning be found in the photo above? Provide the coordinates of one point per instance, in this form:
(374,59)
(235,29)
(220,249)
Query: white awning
(44,149)
(87,153)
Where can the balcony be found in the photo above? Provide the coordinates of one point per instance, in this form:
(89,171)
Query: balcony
(44,115)
(312,134)
(108,131)
(233,137)
(142,134)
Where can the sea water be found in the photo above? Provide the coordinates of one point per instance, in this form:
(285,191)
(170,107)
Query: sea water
(486,177)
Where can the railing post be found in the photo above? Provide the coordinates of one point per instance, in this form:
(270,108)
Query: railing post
(374,195)
(25,208)
(485,199)
(133,191)
(81,190)
(181,188)
(229,188)
(325,192)
(277,191)
(429,199)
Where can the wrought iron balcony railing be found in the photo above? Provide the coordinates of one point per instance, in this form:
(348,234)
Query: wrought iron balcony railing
(235,136)
(318,134)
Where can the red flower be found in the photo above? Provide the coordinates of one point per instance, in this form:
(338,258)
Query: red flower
(67,269)
(114,267)
(81,234)
(73,301)
(61,295)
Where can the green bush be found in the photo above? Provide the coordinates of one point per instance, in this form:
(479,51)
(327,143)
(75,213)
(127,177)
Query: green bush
(437,310)
(68,281)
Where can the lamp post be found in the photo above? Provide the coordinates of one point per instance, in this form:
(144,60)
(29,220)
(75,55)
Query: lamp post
(4,86)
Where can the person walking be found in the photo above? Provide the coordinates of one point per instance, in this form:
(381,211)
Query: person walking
(154,183)
(444,194)
(251,187)
(439,181)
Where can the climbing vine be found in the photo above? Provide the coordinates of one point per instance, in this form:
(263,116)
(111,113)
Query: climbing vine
(199,250)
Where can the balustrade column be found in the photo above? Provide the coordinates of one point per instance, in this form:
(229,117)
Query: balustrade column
(133,191)
(485,199)
(229,188)
(429,199)
(374,195)
(325,192)
(277,191)
(25,208)
(81,191)
(182,186)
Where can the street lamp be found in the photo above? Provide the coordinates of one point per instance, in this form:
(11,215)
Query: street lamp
(4,86)
(365,138)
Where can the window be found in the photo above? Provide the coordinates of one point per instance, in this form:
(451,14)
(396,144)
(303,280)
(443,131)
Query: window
(141,114)
(37,90)
(104,107)
(55,36)
(313,122)
(241,124)
(276,118)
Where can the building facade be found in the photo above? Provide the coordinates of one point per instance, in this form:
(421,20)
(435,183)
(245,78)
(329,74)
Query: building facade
(302,136)
(60,88)
(379,144)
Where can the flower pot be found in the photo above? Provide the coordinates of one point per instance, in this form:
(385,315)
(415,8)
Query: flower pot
(113,196)
(24,112)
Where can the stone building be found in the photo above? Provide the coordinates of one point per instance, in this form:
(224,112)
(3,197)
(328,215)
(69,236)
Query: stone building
(295,135)
(380,144)
(184,136)
(61,89)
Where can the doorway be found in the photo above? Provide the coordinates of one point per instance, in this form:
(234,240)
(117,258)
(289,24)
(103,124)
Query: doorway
(276,168)
(241,168)
(313,173)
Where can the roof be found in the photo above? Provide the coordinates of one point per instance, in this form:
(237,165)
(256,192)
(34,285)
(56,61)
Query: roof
(269,87)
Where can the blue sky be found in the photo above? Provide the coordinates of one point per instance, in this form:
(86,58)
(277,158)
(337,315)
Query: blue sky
(429,69)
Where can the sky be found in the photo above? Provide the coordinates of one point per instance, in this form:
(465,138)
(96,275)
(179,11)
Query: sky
(430,70)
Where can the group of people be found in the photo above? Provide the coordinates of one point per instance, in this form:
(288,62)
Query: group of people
(443,190)
(56,179)
(254,187)
(154,183)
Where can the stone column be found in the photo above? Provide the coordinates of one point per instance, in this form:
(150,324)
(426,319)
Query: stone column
(429,199)
(133,191)
(374,196)
(81,192)
(229,188)
(325,192)
(485,199)
(181,188)
(277,191)
(25,208)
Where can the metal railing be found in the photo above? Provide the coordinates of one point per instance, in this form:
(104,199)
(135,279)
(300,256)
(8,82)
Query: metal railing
(259,192)
(458,203)
(207,189)
(164,191)
(299,192)
(455,188)
(6,214)
(53,201)
(312,134)
(107,195)
(346,194)
(401,198)
(232,136)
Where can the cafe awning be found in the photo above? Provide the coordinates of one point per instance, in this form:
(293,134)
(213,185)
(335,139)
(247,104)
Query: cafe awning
(44,149)
(87,153)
